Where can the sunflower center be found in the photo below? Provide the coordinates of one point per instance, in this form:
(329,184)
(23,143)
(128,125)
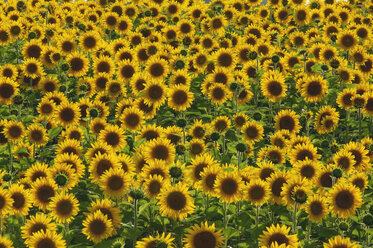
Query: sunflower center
(348,41)
(6,90)
(221,125)
(303,154)
(204,239)
(210,181)
(256,192)
(44,193)
(150,134)
(176,200)
(67,114)
(32,68)
(76,64)
(103,66)
(160,152)
(218,93)
(280,238)
(216,23)
(277,186)
(266,173)
(180,97)
(36,135)
(155,92)
(357,156)
(115,182)
(326,180)
(64,207)
(67,46)
(275,88)
(127,71)
(112,138)
(45,243)
(154,187)
(38,174)
(18,200)
(344,199)
(359,182)
(229,186)
(37,227)
(225,59)
(33,51)
(102,166)
(316,208)
(15,131)
(97,227)
(132,120)
(287,122)
(156,70)
(308,171)
(252,132)
(90,42)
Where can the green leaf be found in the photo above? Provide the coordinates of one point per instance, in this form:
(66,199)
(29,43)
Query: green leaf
(316,68)
(21,150)
(297,66)
(54,132)
(230,232)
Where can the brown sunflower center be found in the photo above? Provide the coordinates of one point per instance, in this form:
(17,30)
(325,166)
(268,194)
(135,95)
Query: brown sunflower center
(45,243)
(64,207)
(280,238)
(97,227)
(256,192)
(277,186)
(115,182)
(155,92)
(18,200)
(204,239)
(275,88)
(44,193)
(326,180)
(76,64)
(102,166)
(316,208)
(229,186)
(160,152)
(112,138)
(156,70)
(37,227)
(67,114)
(344,199)
(154,187)
(132,120)
(127,71)
(176,200)
(6,90)
(308,171)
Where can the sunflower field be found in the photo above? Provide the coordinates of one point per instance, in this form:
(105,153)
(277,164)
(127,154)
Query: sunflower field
(186,124)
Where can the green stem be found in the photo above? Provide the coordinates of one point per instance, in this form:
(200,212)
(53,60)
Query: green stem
(10,156)
(309,226)
(360,118)
(225,207)
(295,217)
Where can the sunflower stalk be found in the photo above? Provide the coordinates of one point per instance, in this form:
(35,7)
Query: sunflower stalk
(309,226)
(295,217)
(225,207)
(360,116)
(10,156)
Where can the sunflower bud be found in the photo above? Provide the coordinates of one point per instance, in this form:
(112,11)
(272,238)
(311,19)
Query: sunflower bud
(315,5)
(179,64)
(81,26)
(184,52)
(368,220)
(241,147)
(148,13)
(234,86)
(215,136)
(253,55)
(324,67)
(18,99)
(181,123)
(175,172)
(94,112)
(275,58)
(180,149)
(136,194)
(337,173)
(62,88)
(343,226)
(83,87)
(324,144)
(14,112)
(65,66)
(61,179)
(257,116)
(32,35)
(300,196)
(7,177)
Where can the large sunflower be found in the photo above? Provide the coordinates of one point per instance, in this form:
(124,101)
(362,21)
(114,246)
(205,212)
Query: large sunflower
(344,198)
(347,40)
(43,189)
(203,236)
(280,235)
(97,227)
(287,119)
(228,186)
(113,136)
(316,207)
(115,182)
(64,207)
(67,114)
(161,149)
(175,201)
(8,89)
(79,64)
(21,200)
(180,98)
(36,223)
(155,93)
(314,88)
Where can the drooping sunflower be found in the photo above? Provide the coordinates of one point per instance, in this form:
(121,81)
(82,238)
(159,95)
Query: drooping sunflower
(97,227)
(203,236)
(64,207)
(79,64)
(253,131)
(161,149)
(175,201)
(273,85)
(115,182)
(155,241)
(8,89)
(64,175)
(36,223)
(344,198)
(43,189)
(48,239)
(316,207)
(21,200)
(314,88)
(67,114)
(287,119)
(228,186)
(37,134)
(280,235)
(339,241)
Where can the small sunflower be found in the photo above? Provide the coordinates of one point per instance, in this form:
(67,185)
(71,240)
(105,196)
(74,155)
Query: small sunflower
(64,207)
(228,186)
(161,149)
(79,64)
(253,131)
(43,189)
(115,182)
(37,134)
(8,89)
(256,192)
(316,207)
(21,200)
(273,86)
(287,119)
(180,98)
(203,236)
(155,241)
(97,227)
(339,241)
(280,235)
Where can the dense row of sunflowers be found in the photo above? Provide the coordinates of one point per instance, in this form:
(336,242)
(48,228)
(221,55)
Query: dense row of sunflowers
(176,123)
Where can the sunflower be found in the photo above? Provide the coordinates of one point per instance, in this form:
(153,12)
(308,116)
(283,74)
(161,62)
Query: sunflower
(36,223)
(97,227)
(218,93)
(326,120)
(64,175)
(368,107)
(328,53)
(7,202)
(8,89)
(115,182)
(175,201)
(67,114)
(14,130)
(314,88)
(21,200)
(316,207)
(32,68)
(225,58)
(253,131)
(344,198)
(108,209)
(157,68)
(273,154)
(155,93)
(72,160)
(196,147)
(344,99)
(203,236)
(344,160)
(287,120)
(347,40)
(217,25)
(153,186)
(198,165)
(256,192)
(359,180)
(5,242)
(78,63)
(37,134)
(48,239)
(307,169)
(9,71)
(280,235)
(180,98)
(359,153)
(132,118)
(90,41)
(101,163)
(32,49)
(339,241)
(208,177)
(150,132)
(43,189)
(221,124)
(64,207)
(174,134)
(155,241)
(5,36)
(273,85)
(288,192)
(66,44)
(113,136)
(228,186)
(302,152)
(358,54)
(161,149)
(36,171)
(325,178)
